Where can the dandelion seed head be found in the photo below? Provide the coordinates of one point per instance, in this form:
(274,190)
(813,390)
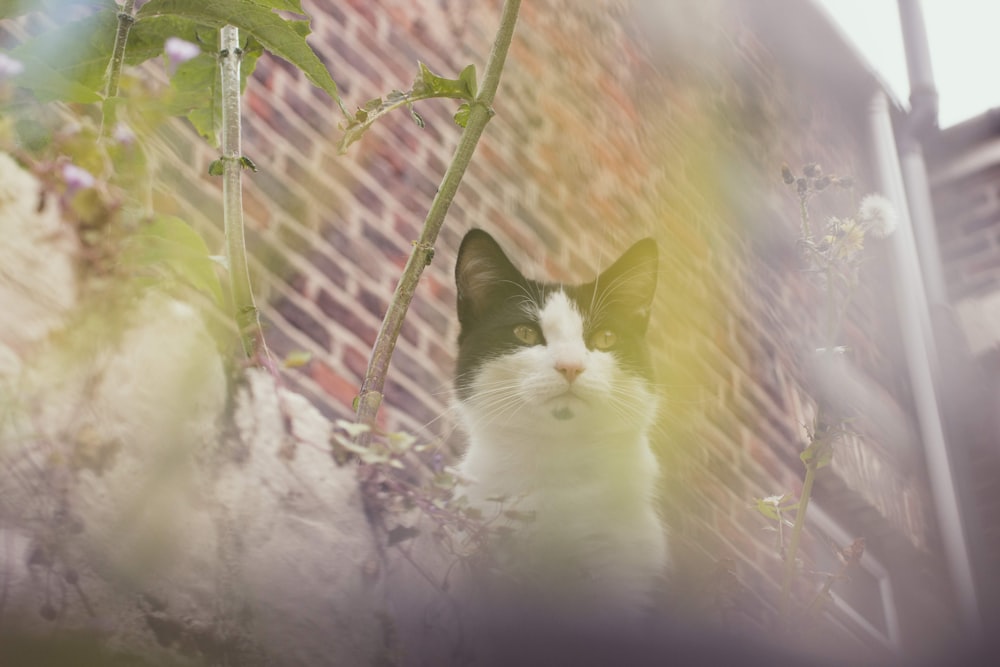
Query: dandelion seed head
(878,216)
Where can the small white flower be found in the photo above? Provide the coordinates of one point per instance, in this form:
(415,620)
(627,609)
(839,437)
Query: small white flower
(179,50)
(9,67)
(878,216)
(77,178)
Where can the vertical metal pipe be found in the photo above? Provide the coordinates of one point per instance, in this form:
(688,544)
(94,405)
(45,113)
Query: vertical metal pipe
(920,122)
(918,343)
(918,53)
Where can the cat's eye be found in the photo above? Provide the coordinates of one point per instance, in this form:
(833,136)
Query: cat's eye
(527,334)
(603,339)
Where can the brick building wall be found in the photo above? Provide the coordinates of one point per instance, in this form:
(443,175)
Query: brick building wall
(964,165)
(614,121)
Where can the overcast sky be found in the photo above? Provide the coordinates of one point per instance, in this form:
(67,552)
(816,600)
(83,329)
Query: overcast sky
(964,38)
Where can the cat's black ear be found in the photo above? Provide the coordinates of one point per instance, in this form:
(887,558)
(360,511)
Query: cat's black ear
(482,274)
(630,282)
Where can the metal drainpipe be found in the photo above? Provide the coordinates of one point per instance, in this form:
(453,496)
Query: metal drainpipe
(921,121)
(918,343)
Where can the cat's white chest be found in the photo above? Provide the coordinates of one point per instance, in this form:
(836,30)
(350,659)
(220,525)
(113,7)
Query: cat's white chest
(576,516)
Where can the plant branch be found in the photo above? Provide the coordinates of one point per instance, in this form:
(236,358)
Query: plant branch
(246,313)
(791,556)
(481,111)
(126,18)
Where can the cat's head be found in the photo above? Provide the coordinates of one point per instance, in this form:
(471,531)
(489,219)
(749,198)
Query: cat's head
(542,356)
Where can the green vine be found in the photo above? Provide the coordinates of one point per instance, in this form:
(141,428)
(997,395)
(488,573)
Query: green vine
(479,113)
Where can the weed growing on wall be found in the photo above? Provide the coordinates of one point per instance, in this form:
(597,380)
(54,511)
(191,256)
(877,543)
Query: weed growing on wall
(832,255)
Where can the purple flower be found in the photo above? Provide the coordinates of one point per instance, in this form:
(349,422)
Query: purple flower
(123,134)
(77,178)
(9,67)
(180,51)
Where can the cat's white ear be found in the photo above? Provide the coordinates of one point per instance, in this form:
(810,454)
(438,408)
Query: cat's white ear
(631,281)
(481,273)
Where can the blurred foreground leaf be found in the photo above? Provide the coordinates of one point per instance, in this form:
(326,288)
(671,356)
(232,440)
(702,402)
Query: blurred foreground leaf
(171,243)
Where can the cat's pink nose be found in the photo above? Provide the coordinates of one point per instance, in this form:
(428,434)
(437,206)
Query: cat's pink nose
(569,370)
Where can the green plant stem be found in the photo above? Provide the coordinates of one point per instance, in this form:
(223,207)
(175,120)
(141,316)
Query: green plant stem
(370,398)
(246,314)
(791,556)
(804,217)
(125,20)
(832,310)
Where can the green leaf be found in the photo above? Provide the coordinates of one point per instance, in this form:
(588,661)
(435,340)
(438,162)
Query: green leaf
(54,8)
(767,509)
(68,63)
(287,5)
(285,39)
(147,37)
(462,115)
(429,84)
(50,85)
(818,454)
(172,243)
(352,429)
(297,359)
(468,77)
(216,168)
(400,442)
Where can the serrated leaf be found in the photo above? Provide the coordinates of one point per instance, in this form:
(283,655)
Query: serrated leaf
(285,39)
(174,244)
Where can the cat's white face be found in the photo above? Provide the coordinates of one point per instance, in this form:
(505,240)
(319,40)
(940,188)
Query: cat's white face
(542,358)
(566,378)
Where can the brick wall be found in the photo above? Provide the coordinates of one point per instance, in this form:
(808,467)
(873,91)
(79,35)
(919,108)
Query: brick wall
(614,121)
(964,164)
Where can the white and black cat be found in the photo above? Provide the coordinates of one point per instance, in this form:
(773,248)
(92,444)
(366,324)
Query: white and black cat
(555,391)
